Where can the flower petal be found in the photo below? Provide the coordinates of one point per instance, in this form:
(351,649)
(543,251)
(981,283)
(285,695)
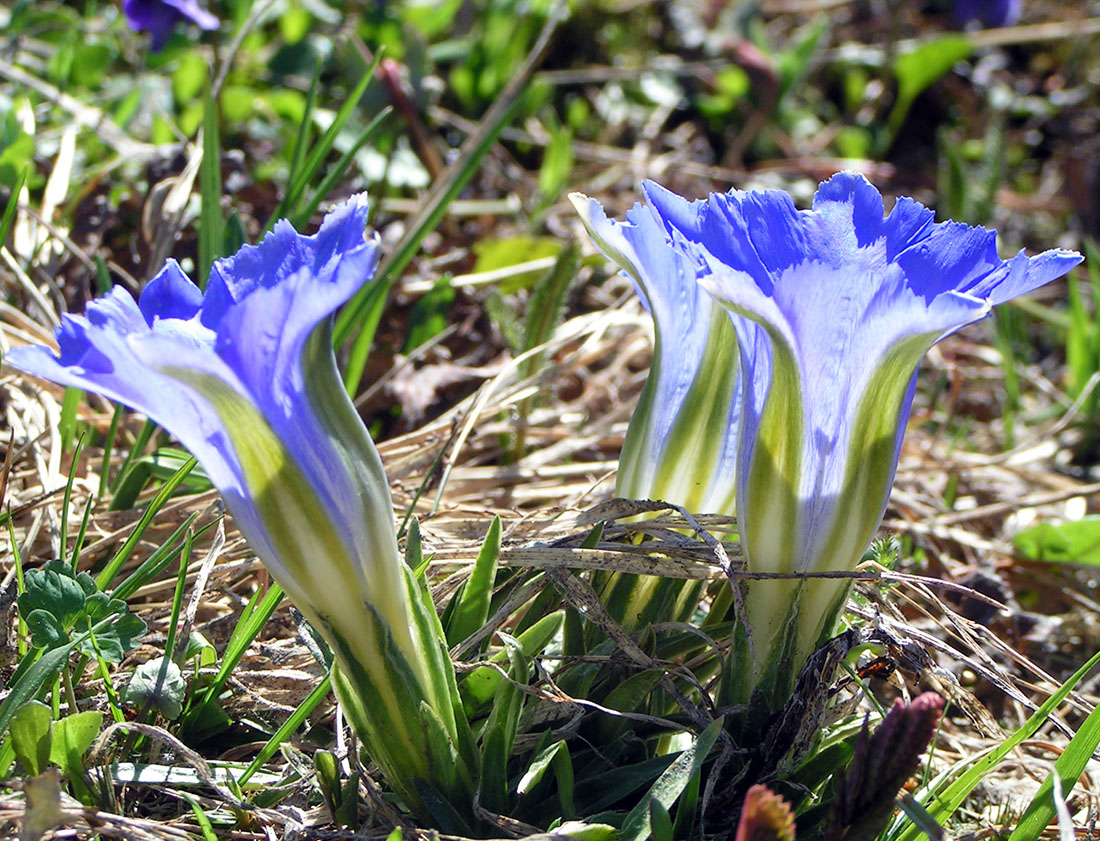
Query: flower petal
(687,415)
(170,294)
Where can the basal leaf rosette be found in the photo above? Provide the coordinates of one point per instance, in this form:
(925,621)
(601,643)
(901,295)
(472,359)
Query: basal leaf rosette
(244,376)
(834,308)
(681,443)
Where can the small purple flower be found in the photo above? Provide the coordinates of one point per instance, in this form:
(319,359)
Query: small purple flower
(159,17)
(834,308)
(989,13)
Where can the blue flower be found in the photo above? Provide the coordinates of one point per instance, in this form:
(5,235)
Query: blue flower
(244,376)
(681,443)
(834,308)
(159,17)
(680,446)
(989,13)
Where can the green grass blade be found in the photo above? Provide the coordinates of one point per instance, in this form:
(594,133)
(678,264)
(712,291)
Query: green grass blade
(289,726)
(170,642)
(547,304)
(251,622)
(78,544)
(365,309)
(152,566)
(143,436)
(544,312)
(301,218)
(102,275)
(289,205)
(1092,270)
(363,312)
(670,784)
(1069,766)
(67,423)
(32,673)
(205,826)
(20,589)
(301,142)
(66,503)
(8,219)
(163,495)
(108,448)
(211,221)
(942,805)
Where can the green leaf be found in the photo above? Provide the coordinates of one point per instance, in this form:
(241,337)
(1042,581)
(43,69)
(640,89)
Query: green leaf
(919,68)
(118,637)
(497,254)
(795,63)
(54,589)
(628,696)
(30,676)
(208,833)
(501,729)
(928,62)
(472,609)
(669,785)
(72,737)
(31,736)
(547,305)
(428,317)
(660,823)
(59,602)
(555,756)
(189,77)
(482,683)
(493,790)
(8,218)
(586,831)
(157,684)
(46,631)
(557,165)
(1074,542)
(598,792)
(328,779)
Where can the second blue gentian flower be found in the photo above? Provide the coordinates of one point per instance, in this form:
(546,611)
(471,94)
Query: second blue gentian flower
(833,309)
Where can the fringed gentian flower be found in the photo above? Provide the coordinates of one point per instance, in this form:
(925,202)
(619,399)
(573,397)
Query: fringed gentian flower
(834,308)
(244,376)
(159,17)
(991,13)
(680,446)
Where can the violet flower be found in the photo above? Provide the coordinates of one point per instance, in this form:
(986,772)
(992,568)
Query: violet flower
(989,13)
(834,308)
(159,17)
(244,376)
